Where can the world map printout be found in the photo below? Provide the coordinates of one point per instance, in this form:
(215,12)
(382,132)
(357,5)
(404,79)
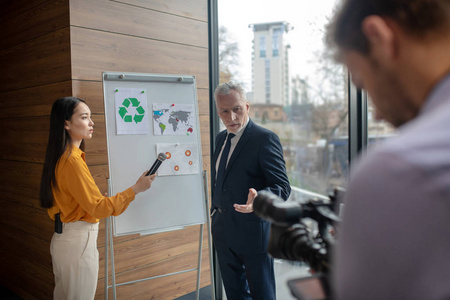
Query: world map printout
(173,119)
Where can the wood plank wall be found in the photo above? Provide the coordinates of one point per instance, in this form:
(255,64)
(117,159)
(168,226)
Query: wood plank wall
(55,48)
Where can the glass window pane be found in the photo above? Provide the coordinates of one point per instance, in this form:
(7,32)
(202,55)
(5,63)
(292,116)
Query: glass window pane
(377,130)
(295,89)
(275,49)
(262,46)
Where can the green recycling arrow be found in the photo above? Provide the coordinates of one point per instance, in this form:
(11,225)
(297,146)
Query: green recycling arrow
(126,102)
(134,101)
(123,112)
(138,118)
(140,110)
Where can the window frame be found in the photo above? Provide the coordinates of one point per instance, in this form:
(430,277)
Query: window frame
(357,112)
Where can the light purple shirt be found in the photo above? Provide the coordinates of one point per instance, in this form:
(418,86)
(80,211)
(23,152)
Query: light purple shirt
(394,242)
(234,142)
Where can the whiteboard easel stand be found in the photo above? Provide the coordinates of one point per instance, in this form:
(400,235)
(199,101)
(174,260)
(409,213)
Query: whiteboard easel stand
(108,238)
(110,243)
(210,247)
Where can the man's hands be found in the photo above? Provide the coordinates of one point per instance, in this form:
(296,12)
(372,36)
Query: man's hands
(248,207)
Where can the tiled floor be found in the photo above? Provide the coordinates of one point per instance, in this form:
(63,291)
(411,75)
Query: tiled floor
(284,271)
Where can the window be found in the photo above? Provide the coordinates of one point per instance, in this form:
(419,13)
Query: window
(275,42)
(262,46)
(297,91)
(377,131)
(267,81)
(301,80)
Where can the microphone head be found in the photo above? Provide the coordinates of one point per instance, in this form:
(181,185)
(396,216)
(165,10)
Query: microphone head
(162,157)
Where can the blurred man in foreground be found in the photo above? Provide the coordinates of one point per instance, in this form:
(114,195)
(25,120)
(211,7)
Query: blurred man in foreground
(394,241)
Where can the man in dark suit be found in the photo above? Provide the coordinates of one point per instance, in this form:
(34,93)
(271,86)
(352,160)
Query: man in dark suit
(247,159)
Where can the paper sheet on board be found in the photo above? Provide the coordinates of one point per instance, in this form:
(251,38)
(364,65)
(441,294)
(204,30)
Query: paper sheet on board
(131,111)
(173,119)
(182,159)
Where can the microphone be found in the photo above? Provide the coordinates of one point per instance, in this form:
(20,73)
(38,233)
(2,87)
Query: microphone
(161,157)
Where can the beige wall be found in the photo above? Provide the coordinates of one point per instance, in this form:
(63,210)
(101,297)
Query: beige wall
(55,48)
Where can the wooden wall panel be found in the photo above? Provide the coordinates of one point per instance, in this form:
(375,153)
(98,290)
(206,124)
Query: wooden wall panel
(25,139)
(168,237)
(45,55)
(35,62)
(48,17)
(126,38)
(147,250)
(94,52)
(203,101)
(13,8)
(187,8)
(21,181)
(125,19)
(24,277)
(32,221)
(92,93)
(95,148)
(163,288)
(173,264)
(181,239)
(39,61)
(100,175)
(118,239)
(21,240)
(34,101)
(204,128)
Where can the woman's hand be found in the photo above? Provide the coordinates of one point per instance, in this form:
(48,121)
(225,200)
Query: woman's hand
(143,183)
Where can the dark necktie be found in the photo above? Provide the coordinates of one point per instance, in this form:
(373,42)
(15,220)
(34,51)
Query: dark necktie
(222,168)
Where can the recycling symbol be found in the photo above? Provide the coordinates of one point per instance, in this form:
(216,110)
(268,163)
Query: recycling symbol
(127,117)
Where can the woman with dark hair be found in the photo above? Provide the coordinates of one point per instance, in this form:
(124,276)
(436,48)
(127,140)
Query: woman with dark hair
(71,196)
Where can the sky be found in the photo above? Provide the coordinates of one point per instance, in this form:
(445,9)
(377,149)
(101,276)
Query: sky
(308,17)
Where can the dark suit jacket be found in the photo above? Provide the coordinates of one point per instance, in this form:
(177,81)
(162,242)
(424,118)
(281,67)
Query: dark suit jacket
(256,162)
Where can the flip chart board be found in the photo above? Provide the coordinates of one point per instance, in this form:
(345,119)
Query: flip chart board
(146,114)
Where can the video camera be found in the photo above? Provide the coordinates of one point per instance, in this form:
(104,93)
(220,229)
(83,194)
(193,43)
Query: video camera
(291,238)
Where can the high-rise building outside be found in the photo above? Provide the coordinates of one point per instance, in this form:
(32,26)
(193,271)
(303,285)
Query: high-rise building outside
(270,63)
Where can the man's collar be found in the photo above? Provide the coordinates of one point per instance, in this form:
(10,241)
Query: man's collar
(239,133)
(438,95)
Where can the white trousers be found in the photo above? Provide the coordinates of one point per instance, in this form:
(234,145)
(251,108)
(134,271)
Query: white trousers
(75,261)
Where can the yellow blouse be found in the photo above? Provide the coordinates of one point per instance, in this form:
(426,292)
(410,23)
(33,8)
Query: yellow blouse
(77,196)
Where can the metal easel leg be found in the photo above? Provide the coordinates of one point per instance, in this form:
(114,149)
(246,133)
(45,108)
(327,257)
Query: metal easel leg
(113,271)
(208,224)
(109,243)
(106,256)
(197,293)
